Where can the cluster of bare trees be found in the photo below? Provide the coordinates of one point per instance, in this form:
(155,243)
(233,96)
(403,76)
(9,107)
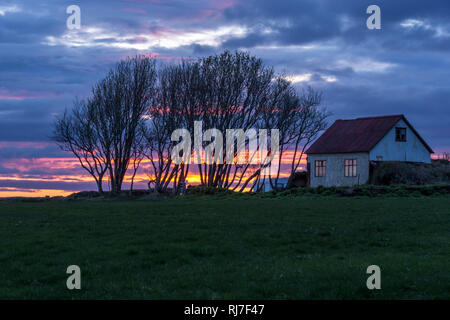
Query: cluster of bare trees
(134,110)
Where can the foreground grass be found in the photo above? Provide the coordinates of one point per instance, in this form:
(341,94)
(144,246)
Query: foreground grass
(210,248)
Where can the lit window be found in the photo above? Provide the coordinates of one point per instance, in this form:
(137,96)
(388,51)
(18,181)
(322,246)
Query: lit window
(400,134)
(321,168)
(350,168)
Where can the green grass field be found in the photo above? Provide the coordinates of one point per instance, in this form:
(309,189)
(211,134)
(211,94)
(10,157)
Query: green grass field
(212,248)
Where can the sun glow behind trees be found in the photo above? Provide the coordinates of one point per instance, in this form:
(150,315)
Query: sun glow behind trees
(63,176)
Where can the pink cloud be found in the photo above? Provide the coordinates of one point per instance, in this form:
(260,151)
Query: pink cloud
(213,10)
(138,40)
(157,2)
(24,94)
(166,58)
(9,97)
(134,10)
(221,5)
(24,144)
(160,32)
(152,55)
(44,164)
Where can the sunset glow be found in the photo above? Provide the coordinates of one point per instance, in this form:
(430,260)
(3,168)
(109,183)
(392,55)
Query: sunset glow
(60,176)
(45,66)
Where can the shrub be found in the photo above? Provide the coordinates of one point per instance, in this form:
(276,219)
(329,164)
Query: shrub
(200,190)
(365,191)
(389,173)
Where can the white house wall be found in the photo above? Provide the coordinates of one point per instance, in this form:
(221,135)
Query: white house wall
(390,150)
(335,169)
(282,182)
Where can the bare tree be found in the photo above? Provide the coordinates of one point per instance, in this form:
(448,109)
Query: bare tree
(158,148)
(74,132)
(119,103)
(227,91)
(309,121)
(137,155)
(134,110)
(165,116)
(277,114)
(299,119)
(102,131)
(235,92)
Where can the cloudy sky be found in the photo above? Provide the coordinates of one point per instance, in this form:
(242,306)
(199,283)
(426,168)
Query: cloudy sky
(402,68)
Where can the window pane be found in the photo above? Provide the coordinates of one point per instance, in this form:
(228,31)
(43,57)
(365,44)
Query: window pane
(320,168)
(400,134)
(350,167)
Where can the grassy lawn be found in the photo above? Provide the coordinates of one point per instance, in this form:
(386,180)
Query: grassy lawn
(212,248)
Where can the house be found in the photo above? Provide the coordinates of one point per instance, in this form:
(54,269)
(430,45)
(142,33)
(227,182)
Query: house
(266,187)
(298,179)
(343,154)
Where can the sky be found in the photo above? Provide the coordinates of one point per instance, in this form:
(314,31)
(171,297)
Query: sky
(402,68)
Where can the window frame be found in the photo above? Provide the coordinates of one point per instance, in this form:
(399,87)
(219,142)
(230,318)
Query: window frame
(320,168)
(350,168)
(400,134)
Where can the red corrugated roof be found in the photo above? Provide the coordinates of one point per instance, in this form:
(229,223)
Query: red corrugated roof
(357,135)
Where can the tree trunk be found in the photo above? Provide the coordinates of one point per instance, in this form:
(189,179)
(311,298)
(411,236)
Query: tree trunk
(100,186)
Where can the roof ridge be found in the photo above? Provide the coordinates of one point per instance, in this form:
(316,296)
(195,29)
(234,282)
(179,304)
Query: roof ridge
(378,117)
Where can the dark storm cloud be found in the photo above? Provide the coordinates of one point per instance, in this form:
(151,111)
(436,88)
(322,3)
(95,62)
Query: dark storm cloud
(299,22)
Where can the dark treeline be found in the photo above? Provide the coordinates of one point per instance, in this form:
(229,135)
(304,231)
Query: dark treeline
(132,113)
